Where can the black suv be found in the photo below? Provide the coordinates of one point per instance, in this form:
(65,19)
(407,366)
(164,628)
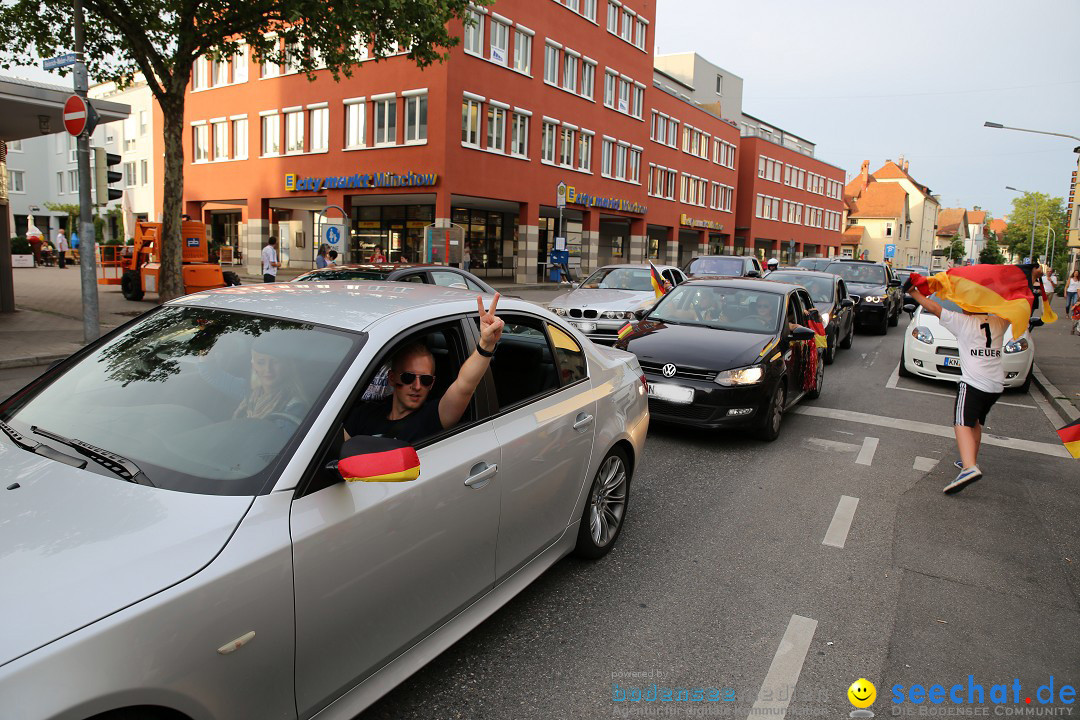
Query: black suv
(727,265)
(875,289)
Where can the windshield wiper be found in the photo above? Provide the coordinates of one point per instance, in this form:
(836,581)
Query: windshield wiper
(118,464)
(39,449)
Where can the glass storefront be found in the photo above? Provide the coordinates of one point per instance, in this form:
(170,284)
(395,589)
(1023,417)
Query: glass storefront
(397,229)
(489,237)
(549,230)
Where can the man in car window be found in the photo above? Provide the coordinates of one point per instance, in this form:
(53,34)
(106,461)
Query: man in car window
(406,415)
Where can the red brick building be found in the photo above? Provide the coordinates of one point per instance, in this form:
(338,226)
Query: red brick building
(537,94)
(790,205)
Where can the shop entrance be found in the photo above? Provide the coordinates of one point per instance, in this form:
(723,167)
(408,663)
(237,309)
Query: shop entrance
(397,229)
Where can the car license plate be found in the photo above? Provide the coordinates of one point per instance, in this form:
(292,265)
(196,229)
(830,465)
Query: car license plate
(586,326)
(952,362)
(672,393)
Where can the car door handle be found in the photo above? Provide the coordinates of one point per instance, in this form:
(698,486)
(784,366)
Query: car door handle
(583,421)
(481,473)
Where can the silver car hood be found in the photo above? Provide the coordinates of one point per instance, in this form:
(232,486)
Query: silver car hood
(76,546)
(605,299)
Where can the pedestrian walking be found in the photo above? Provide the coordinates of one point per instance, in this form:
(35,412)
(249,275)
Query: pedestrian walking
(320,259)
(1049,282)
(270,263)
(61,249)
(1072,288)
(466,259)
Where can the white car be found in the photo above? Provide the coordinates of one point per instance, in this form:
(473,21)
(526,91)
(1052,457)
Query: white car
(930,351)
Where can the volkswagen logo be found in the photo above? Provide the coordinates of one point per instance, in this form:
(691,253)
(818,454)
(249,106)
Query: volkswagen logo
(668,370)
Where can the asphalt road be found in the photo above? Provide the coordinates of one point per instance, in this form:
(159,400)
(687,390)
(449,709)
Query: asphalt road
(786,571)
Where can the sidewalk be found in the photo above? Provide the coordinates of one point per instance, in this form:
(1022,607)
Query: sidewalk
(1057,364)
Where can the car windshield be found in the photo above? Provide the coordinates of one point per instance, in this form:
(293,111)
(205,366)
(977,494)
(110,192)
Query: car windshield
(636,279)
(821,289)
(203,401)
(903,275)
(715,266)
(859,273)
(720,308)
(344,274)
(814,263)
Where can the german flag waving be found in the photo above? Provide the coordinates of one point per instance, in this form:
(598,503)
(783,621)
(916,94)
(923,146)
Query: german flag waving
(657,280)
(1002,290)
(821,340)
(1070,435)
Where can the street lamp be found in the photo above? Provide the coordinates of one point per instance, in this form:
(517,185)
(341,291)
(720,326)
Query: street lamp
(1034,219)
(1053,247)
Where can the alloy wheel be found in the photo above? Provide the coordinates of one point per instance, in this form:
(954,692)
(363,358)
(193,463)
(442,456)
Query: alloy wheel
(607,503)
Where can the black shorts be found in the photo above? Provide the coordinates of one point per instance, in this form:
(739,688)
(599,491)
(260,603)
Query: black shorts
(972,405)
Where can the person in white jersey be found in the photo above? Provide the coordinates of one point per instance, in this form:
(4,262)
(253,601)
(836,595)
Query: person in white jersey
(270,263)
(982,379)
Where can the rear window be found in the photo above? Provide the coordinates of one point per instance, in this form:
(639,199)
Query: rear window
(344,274)
(715,266)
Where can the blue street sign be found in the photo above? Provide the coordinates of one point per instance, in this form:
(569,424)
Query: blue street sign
(890,251)
(332,236)
(58,61)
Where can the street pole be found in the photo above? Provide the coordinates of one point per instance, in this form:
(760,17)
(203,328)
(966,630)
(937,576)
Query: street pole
(1034,219)
(87,270)
(1050,255)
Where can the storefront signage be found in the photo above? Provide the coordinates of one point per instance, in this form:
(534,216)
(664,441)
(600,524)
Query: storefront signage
(359,181)
(574,197)
(688,221)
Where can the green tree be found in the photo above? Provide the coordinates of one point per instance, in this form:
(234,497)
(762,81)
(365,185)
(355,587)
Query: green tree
(1051,211)
(69,209)
(991,252)
(956,250)
(162,39)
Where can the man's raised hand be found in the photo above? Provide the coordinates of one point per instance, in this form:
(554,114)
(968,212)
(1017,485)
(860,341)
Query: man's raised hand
(491,326)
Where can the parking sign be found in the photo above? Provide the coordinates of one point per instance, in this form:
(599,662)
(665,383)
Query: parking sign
(890,251)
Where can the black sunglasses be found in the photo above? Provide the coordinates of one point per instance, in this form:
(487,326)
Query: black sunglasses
(408,378)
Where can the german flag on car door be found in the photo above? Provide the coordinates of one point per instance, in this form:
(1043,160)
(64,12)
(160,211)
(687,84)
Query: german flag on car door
(1070,435)
(1002,290)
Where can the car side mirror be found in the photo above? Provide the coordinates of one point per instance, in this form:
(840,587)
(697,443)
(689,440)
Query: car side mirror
(847,302)
(895,283)
(802,333)
(1034,323)
(376,459)
(910,309)
(753,273)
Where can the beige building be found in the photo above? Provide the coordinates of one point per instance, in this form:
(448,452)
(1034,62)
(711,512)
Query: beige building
(952,223)
(923,210)
(881,211)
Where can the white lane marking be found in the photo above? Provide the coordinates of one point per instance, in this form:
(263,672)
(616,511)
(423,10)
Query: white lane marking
(866,455)
(784,672)
(833,445)
(924,464)
(837,533)
(945,431)
(891,385)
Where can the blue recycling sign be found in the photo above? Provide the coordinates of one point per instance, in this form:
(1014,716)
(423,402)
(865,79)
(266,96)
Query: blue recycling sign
(890,251)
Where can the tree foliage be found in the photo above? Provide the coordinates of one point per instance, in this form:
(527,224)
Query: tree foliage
(162,39)
(956,250)
(1050,210)
(991,252)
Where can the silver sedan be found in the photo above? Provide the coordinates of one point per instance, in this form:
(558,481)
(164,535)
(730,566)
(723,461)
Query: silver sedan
(178,533)
(611,296)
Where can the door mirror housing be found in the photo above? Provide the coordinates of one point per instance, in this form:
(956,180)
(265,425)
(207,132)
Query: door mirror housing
(753,273)
(1034,323)
(895,283)
(910,309)
(640,313)
(376,459)
(847,302)
(802,333)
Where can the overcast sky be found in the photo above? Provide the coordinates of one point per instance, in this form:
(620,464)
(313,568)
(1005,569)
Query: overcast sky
(872,80)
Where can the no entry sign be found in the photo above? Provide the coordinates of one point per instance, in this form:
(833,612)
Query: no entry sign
(79,115)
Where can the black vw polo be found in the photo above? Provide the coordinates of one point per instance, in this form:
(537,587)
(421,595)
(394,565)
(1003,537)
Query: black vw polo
(728,352)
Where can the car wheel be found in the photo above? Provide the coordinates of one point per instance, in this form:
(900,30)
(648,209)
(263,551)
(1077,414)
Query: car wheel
(605,508)
(818,381)
(846,342)
(130,285)
(774,414)
(903,371)
(830,350)
(883,328)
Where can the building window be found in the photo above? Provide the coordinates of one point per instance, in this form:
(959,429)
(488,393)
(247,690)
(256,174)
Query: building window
(144,172)
(354,125)
(240,138)
(17,181)
(588,79)
(129,174)
(624,95)
(496,129)
(547,143)
(639,101)
(640,35)
(416,118)
(570,72)
(73,181)
(500,41)
(320,129)
(605,156)
(474,33)
(200,144)
(470,122)
(144,122)
(551,64)
(270,69)
(14,146)
(240,65)
(589,10)
(294,132)
(613,18)
(271,134)
(633,165)
(219,73)
(673,132)
(221,143)
(610,79)
(198,78)
(386,121)
(620,161)
(627,27)
(585,152)
(522,52)
(566,147)
(293,55)
(519,144)
(59,183)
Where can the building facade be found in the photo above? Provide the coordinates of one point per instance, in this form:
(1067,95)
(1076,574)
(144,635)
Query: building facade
(923,207)
(882,211)
(468,153)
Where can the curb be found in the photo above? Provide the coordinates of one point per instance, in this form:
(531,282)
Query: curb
(31,360)
(1055,396)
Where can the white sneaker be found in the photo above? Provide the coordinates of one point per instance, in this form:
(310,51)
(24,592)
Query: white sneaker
(965,478)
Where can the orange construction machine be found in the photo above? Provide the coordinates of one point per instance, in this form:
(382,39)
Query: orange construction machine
(139,264)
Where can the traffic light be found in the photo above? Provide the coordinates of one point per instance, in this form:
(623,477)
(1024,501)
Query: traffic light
(103,176)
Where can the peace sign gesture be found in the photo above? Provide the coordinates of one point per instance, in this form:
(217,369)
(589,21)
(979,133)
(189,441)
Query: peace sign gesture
(491,327)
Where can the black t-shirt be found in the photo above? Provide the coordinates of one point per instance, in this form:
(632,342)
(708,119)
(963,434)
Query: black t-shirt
(372,419)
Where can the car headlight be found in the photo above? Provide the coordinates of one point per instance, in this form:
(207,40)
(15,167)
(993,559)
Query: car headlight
(873,298)
(561,312)
(825,318)
(617,315)
(923,335)
(1015,346)
(741,376)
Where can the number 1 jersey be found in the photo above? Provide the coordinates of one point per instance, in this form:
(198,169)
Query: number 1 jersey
(979,338)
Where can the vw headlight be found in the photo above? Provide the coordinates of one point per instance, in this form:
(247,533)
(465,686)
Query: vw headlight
(825,319)
(561,312)
(1016,346)
(873,298)
(742,376)
(923,335)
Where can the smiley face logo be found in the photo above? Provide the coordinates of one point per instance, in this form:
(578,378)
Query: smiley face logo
(862,693)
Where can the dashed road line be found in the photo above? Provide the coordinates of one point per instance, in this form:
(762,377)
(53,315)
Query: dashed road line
(924,464)
(926,428)
(866,454)
(837,533)
(784,672)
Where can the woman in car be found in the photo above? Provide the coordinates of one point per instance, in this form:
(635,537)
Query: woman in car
(275,385)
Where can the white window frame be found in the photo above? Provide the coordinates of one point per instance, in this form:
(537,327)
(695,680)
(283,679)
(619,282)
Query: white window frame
(386,134)
(270,122)
(60,183)
(499,50)
(239,138)
(471,110)
(496,128)
(522,51)
(584,152)
(199,75)
(613,11)
(571,69)
(549,139)
(200,143)
(416,132)
(17,181)
(567,148)
(519,140)
(606,154)
(551,63)
(294,131)
(144,172)
(240,65)
(473,40)
(219,134)
(355,123)
(611,81)
(319,121)
(588,78)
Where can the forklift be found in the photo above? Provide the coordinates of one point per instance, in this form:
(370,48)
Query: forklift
(142,266)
